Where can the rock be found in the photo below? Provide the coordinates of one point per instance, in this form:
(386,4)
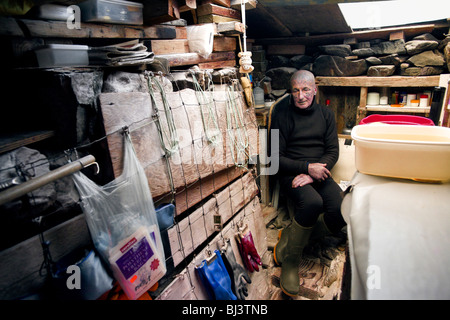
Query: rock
(120,81)
(299,61)
(373,61)
(427,58)
(340,50)
(443,43)
(335,66)
(308,67)
(417,46)
(87,86)
(393,59)
(363,52)
(281,77)
(381,71)
(447,55)
(421,71)
(431,71)
(361,45)
(277,62)
(411,71)
(425,36)
(390,47)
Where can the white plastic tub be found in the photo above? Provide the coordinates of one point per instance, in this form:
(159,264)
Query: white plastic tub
(57,55)
(112,11)
(403,151)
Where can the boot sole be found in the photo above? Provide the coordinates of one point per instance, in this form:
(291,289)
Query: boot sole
(288,293)
(275,250)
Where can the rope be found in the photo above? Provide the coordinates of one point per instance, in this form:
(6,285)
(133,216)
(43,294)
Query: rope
(239,139)
(208,116)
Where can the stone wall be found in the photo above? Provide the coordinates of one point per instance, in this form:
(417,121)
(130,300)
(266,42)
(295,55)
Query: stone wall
(423,55)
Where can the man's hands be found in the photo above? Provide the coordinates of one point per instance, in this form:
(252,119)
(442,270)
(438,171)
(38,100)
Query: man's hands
(301,180)
(317,171)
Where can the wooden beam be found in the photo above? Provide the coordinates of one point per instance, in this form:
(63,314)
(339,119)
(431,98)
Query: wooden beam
(58,29)
(206,9)
(409,32)
(199,225)
(289,49)
(393,81)
(224,44)
(217,64)
(214,18)
(169,46)
(232,27)
(185,59)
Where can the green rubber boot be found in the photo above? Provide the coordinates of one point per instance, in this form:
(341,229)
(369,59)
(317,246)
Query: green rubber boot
(288,252)
(320,230)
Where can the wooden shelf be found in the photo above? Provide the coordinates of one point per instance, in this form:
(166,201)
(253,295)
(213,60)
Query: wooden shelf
(398,109)
(11,142)
(58,29)
(364,81)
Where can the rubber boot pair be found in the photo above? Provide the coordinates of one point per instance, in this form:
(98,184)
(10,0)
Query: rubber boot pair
(288,253)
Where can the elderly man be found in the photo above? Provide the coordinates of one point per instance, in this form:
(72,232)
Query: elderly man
(308,150)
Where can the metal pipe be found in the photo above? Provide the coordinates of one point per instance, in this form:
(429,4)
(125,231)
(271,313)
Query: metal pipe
(33,184)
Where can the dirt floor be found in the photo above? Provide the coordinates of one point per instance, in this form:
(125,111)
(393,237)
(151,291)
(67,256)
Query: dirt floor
(324,270)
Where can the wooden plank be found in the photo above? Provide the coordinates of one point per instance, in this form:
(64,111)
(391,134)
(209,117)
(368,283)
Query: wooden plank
(221,44)
(206,9)
(187,286)
(10,142)
(231,27)
(187,5)
(195,159)
(249,4)
(201,189)
(397,35)
(169,46)
(56,29)
(181,32)
(213,18)
(20,264)
(393,81)
(217,64)
(193,230)
(333,38)
(289,49)
(184,59)
(158,11)
(225,3)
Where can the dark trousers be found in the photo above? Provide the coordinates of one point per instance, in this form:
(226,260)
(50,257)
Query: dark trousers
(313,199)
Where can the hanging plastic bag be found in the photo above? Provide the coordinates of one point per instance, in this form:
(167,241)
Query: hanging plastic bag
(123,224)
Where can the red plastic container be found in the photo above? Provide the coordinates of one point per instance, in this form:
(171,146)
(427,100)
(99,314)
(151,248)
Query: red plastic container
(397,119)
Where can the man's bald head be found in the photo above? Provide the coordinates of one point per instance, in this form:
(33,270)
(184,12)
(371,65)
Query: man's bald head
(303,88)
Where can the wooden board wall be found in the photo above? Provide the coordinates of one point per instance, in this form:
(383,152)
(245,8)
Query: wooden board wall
(187,286)
(195,159)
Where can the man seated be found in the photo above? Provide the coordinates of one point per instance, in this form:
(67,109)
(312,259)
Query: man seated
(308,149)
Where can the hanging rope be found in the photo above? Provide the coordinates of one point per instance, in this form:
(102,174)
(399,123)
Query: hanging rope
(206,102)
(239,139)
(168,138)
(245,60)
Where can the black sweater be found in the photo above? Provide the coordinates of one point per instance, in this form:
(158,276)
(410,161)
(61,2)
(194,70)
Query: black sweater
(305,135)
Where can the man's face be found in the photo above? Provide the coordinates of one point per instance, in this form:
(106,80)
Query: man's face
(303,92)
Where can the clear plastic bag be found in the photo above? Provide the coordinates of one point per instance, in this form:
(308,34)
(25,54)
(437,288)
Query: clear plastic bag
(122,221)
